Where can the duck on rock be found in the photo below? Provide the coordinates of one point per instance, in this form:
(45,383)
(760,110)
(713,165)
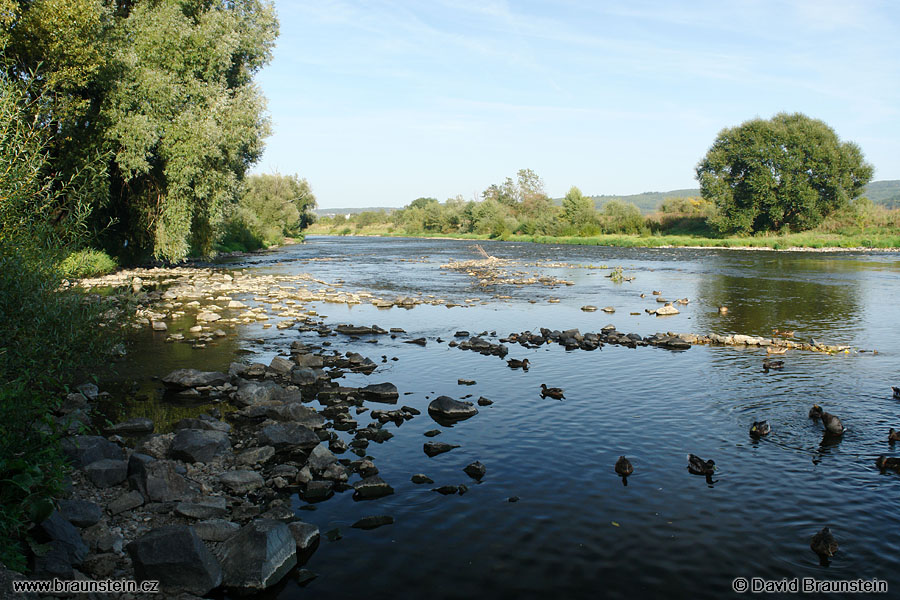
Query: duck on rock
(553,392)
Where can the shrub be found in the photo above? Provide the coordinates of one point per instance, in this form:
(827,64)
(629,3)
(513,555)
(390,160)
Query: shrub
(87,263)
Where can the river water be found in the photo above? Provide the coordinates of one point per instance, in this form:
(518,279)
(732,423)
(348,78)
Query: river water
(576,530)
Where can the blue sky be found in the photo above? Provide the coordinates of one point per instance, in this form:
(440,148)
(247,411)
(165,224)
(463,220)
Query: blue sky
(377,103)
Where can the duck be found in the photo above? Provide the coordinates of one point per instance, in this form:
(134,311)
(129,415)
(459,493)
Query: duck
(885,462)
(698,466)
(824,544)
(723,310)
(760,428)
(624,467)
(772,364)
(896,392)
(775,350)
(553,392)
(893,436)
(518,364)
(832,424)
(816,412)
(781,333)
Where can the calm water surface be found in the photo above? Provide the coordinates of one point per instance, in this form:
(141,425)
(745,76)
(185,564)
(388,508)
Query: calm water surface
(576,531)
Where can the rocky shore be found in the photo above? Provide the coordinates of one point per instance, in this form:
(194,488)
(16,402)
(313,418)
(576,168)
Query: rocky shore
(207,505)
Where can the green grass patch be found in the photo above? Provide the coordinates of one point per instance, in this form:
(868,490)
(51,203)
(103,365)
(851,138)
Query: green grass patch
(87,263)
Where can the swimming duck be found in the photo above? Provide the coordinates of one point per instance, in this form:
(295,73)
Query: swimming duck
(624,467)
(760,428)
(815,412)
(824,544)
(698,466)
(553,392)
(893,436)
(772,364)
(896,391)
(517,364)
(886,462)
(832,424)
(781,333)
(775,350)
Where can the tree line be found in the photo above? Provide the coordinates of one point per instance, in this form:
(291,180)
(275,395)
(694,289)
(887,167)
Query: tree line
(785,174)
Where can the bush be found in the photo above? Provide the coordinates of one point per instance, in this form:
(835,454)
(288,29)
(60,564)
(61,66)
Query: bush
(87,263)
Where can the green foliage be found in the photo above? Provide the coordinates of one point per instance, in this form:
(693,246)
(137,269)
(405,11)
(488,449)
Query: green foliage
(622,217)
(49,334)
(790,171)
(87,263)
(269,208)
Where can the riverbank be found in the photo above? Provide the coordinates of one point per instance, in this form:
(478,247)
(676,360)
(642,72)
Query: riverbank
(795,242)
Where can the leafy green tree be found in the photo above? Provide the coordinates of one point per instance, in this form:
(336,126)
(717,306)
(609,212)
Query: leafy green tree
(786,172)
(578,210)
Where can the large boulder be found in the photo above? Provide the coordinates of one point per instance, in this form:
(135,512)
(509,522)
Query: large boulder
(81,513)
(446,411)
(320,459)
(242,481)
(203,508)
(158,481)
(258,555)
(305,534)
(82,450)
(199,445)
(175,556)
(306,376)
(288,437)
(63,534)
(182,379)
(380,392)
(254,392)
(370,488)
(107,472)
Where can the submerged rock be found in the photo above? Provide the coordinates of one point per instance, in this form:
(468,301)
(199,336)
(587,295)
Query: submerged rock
(435,448)
(373,522)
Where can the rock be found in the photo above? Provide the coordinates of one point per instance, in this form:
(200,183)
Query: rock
(370,488)
(281,366)
(380,392)
(127,501)
(208,424)
(199,445)
(320,458)
(465,381)
(291,411)
(160,482)
(418,341)
(306,377)
(446,411)
(181,379)
(100,566)
(373,522)
(158,325)
(432,432)
(206,507)
(435,448)
(242,481)
(56,563)
(175,556)
(668,309)
(421,478)
(82,450)
(156,445)
(258,556)
(107,472)
(254,392)
(288,437)
(318,490)
(80,513)
(359,330)
(89,391)
(215,530)
(57,529)
(482,401)
(309,361)
(255,456)
(475,470)
(132,426)
(208,317)
(589,308)
(305,534)
(446,490)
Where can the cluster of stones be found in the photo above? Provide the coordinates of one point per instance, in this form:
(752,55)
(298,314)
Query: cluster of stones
(491,271)
(207,505)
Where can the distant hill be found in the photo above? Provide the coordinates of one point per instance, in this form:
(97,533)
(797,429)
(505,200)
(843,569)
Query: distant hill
(886,193)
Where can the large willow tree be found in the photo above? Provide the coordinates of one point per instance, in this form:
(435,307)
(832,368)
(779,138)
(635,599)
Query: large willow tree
(152,107)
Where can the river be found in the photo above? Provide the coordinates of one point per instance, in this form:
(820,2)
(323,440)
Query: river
(576,531)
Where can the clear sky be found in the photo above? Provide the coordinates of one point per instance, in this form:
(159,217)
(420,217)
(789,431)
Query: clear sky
(377,103)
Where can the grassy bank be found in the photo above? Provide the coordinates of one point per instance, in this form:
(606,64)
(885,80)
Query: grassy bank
(874,239)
